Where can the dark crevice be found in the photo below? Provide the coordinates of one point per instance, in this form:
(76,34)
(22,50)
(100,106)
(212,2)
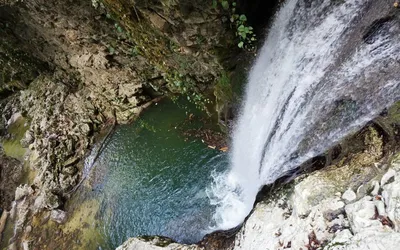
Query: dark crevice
(259,13)
(373,31)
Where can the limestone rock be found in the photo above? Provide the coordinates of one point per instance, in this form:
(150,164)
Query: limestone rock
(361,215)
(349,195)
(22,191)
(388,176)
(58,216)
(47,200)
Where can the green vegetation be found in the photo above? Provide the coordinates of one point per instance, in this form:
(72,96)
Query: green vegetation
(223,89)
(135,36)
(12,146)
(186,86)
(244,32)
(223,93)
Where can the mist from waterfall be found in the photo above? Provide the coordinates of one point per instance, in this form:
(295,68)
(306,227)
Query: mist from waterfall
(327,68)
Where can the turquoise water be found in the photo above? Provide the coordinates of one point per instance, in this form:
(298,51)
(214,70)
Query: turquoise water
(151,180)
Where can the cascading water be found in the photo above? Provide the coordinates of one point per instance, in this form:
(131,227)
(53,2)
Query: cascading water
(327,68)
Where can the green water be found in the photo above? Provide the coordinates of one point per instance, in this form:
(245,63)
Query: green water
(151,180)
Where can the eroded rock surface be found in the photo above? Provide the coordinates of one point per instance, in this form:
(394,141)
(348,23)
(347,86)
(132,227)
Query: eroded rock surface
(10,175)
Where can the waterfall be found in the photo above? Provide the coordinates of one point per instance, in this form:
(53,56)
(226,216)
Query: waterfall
(327,68)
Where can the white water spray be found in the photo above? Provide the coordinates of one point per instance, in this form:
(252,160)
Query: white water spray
(327,68)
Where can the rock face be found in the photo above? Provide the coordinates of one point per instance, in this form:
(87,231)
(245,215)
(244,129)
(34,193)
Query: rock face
(351,205)
(10,175)
(72,66)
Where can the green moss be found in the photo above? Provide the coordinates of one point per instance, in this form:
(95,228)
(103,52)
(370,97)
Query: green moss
(12,147)
(183,72)
(223,89)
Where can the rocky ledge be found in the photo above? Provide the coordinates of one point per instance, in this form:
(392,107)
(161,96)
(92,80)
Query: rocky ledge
(352,204)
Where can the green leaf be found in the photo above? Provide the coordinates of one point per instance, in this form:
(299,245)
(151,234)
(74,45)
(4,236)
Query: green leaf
(214,4)
(241,28)
(240,45)
(111,50)
(234,4)
(243,18)
(225,5)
